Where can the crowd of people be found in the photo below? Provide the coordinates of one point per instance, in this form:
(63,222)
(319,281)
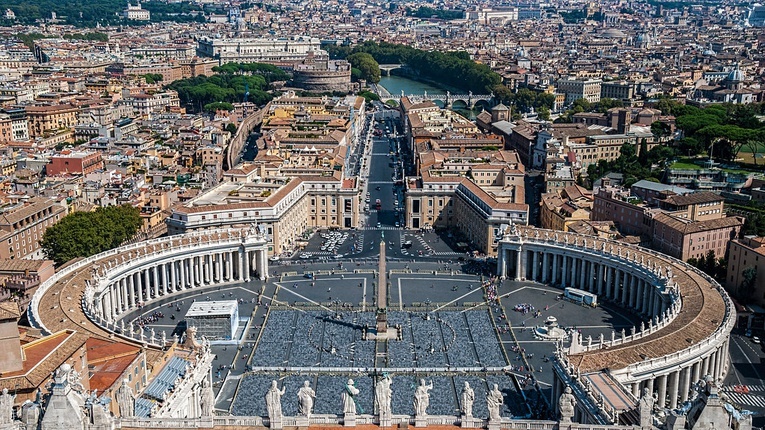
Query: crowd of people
(149,319)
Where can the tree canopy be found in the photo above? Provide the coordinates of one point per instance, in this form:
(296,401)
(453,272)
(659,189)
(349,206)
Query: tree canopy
(366,65)
(429,12)
(454,69)
(83,234)
(80,13)
(228,86)
(723,129)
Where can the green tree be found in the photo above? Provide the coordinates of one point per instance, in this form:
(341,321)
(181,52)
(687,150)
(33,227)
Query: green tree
(83,234)
(660,130)
(231,128)
(366,64)
(212,107)
(605,104)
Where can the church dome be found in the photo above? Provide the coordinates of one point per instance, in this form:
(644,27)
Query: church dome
(736,75)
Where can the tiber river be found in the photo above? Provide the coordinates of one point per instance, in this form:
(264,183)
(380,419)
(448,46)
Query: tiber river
(394,85)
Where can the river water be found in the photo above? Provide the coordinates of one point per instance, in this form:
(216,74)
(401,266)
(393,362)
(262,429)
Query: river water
(395,84)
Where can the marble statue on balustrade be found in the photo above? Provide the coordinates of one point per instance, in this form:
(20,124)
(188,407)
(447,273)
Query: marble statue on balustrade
(306,397)
(126,400)
(467,397)
(494,401)
(566,405)
(349,402)
(6,407)
(274,402)
(383,395)
(206,398)
(645,408)
(422,398)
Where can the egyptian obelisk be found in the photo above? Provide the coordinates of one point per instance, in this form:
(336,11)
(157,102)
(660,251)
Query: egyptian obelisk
(382,293)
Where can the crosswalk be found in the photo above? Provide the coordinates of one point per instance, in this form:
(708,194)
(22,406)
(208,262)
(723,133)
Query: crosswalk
(746,399)
(753,387)
(385,227)
(447,253)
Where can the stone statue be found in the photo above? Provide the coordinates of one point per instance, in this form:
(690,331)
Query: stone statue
(125,400)
(566,405)
(349,403)
(422,398)
(494,401)
(306,395)
(645,407)
(383,394)
(466,400)
(6,407)
(206,398)
(274,402)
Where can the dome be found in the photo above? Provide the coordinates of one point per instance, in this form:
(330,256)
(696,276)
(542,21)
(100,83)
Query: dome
(500,107)
(736,75)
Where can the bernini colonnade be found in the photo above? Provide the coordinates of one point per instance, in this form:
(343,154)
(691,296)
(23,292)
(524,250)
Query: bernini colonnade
(686,315)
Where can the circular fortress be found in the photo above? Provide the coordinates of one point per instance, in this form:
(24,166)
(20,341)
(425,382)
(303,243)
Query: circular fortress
(323,76)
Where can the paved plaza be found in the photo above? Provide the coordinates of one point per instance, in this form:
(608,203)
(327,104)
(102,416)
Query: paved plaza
(312,314)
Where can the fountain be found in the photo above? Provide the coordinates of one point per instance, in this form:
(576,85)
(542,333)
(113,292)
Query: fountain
(550,330)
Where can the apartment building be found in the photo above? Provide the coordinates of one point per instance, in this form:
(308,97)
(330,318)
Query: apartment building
(22,227)
(576,89)
(562,208)
(285,207)
(75,163)
(46,120)
(684,238)
(455,201)
(745,255)
(682,226)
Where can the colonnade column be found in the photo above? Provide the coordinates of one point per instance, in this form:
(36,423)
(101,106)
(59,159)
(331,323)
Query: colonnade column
(501,263)
(142,279)
(583,273)
(247,269)
(131,291)
(564,274)
(601,278)
(155,287)
(662,390)
(535,267)
(263,255)
(674,380)
(555,268)
(696,371)
(633,291)
(609,277)
(182,274)
(171,287)
(685,383)
(230,266)
(546,268)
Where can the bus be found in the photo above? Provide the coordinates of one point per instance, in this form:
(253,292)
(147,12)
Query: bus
(579,296)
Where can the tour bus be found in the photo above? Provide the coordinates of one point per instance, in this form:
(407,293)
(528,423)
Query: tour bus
(582,297)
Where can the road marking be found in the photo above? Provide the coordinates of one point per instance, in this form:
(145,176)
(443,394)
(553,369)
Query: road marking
(458,298)
(282,287)
(754,368)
